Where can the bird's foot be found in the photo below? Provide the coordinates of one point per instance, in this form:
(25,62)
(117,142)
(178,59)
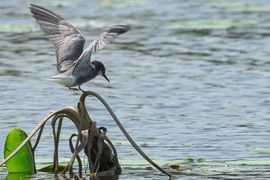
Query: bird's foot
(74,89)
(77,89)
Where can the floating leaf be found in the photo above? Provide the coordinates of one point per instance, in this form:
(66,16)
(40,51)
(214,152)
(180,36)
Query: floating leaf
(259,150)
(50,168)
(23,161)
(249,162)
(20,176)
(18,28)
(189,160)
(206,24)
(200,160)
(238,6)
(122,3)
(175,166)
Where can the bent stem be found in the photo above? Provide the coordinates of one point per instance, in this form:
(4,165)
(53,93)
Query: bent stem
(56,136)
(72,149)
(119,124)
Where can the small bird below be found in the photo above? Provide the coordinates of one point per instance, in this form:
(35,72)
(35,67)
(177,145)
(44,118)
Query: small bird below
(74,64)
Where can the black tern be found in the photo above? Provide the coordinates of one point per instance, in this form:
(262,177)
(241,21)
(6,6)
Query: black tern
(74,64)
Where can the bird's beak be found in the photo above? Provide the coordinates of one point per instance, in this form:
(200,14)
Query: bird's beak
(106,78)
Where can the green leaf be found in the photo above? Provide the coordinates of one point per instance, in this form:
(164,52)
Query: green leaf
(189,160)
(23,161)
(20,176)
(50,168)
(200,160)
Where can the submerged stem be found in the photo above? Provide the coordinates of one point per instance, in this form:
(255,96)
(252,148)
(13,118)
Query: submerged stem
(56,136)
(72,149)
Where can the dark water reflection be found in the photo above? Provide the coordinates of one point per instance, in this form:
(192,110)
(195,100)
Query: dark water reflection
(190,80)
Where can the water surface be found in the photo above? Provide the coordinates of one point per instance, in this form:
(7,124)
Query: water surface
(190,80)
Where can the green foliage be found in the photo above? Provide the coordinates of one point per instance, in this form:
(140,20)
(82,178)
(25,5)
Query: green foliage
(259,150)
(210,24)
(50,168)
(200,160)
(23,161)
(189,160)
(122,3)
(239,6)
(20,176)
(17,28)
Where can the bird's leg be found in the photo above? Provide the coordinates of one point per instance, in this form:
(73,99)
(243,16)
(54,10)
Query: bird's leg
(74,89)
(77,89)
(81,89)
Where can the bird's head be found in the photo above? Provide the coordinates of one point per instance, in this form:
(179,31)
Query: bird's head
(100,69)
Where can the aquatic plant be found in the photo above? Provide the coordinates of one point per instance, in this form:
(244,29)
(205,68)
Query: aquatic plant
(99,150)
(24,161)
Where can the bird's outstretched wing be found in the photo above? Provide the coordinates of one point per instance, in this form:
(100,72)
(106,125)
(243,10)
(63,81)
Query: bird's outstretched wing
(67,40)
(102,40)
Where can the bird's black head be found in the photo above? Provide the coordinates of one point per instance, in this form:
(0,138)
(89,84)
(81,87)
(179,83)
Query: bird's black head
(100,69)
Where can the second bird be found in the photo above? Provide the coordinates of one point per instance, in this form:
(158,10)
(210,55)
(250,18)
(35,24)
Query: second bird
(74,64)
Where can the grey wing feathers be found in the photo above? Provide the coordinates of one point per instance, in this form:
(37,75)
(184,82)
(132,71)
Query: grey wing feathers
(107,36)
(102,40)
(68,41)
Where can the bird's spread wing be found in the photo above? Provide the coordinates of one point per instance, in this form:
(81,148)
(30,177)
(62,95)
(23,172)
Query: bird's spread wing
(67,40)
(102,40)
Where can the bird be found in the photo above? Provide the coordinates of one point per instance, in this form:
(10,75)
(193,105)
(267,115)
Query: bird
(74,63)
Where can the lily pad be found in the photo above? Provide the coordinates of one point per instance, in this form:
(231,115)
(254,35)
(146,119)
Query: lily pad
(50,168)
(259,150)
(175,166)
(122,3)
(208,24)
(20,176)
(238,6)
(249,162)
(189,160)
(200,160)
(18,28)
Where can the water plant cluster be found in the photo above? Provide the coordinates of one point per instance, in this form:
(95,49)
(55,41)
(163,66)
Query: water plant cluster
(99,150)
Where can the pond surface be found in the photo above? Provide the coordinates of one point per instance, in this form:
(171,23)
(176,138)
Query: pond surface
(190,82)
